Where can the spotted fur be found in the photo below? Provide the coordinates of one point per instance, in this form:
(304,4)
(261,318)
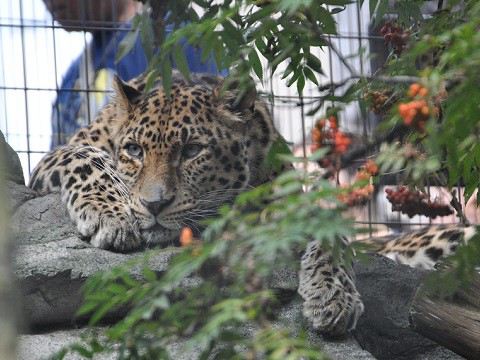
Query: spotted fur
(152,164)
(425,247)
(332,302)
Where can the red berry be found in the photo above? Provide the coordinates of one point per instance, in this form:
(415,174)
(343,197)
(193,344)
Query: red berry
(388,23)
(398,28)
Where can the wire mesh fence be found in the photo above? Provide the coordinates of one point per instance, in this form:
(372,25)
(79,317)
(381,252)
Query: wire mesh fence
(38,55)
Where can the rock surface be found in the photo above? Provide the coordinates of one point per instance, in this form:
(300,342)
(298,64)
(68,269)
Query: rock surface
(387,289)
(51,263)
(14,170)
(45,345)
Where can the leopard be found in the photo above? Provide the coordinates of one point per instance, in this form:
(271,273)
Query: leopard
(424,247)
(154,161)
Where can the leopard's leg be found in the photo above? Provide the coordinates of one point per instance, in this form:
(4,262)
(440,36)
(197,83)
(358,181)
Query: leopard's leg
(96,199)
(332,302)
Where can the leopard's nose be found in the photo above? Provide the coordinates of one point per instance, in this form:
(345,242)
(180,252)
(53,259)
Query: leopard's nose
(156,207)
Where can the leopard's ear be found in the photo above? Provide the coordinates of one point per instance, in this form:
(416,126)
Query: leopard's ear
(127,94)
(239,97)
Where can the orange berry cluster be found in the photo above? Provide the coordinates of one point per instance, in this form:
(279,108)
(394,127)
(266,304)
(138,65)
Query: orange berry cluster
(328,135)
(342,142)
(189,242)
(186,237)
(361,195)
(416,112)
(357,196)
(395,36)
(380,101)
(417,89)
(371,167)
(413,202)
(322,133)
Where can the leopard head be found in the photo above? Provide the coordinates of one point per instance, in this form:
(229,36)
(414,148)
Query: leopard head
(184,155)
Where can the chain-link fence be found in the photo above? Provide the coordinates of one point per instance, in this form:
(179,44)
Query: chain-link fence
(54,76)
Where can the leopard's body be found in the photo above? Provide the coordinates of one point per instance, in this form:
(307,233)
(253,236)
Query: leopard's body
(423,247)
(152,164)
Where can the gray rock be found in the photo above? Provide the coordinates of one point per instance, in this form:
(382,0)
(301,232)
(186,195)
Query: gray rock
(14,170)
(345,348)
(41,220)
(52,263)
(40,346)
(17,195)
(387,290)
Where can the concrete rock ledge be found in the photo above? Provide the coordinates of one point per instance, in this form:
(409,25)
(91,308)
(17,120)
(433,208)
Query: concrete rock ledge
(52,263)
(49,343)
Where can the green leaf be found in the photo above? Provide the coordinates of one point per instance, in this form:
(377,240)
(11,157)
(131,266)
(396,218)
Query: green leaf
(328,22)
(310,75)
(181,60)
(338,2)
(410,10)
(82,350)
(292,66)
(402,14)
(301,83)
(116,289)
(87,308)
(234,34)
(152,77)
(60,355)
(288,189)
(255,63)
(100,313)
(337,10)
(372,6)
(279,146)
(318,154)
(127,44)
(314,63)
(295,76)
(382,9)
(147,37)
(167,76)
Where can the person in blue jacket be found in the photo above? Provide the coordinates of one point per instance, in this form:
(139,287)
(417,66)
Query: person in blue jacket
(84,88)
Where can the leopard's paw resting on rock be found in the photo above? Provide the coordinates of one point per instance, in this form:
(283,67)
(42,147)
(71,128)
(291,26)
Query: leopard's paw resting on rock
(332,302)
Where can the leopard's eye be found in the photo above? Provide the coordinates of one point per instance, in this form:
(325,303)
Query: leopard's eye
(134,150)
(189,151)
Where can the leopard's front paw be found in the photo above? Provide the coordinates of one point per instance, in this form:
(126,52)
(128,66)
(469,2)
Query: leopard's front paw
(332,302)
(109,231)
(334,311)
